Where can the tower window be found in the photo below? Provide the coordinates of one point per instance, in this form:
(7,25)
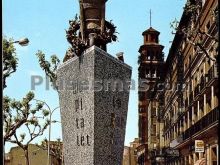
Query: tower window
(153,55)
(146,38)
(153,38)
(156,39)
(155,73)
(148,55)
(147,73)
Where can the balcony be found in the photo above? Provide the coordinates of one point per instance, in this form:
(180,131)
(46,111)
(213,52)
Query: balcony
(197,90)
(167,125)
(202,83)
(212,73)
(186,102)
(181,112)
(191,97)
(202,124)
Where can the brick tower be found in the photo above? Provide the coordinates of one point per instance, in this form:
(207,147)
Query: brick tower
(151,62)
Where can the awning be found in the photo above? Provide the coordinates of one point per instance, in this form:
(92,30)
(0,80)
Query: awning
(201,162)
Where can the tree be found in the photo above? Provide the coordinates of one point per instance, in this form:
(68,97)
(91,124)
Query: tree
(10,60)
(192,31)
(49,67)
(28,112)
(21,113)
(16,113)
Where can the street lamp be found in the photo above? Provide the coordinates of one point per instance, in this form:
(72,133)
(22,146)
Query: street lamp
(10,57)
(48,143)
(50,121)
(22,42)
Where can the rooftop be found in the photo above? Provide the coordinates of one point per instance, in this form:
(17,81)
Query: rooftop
(150,31)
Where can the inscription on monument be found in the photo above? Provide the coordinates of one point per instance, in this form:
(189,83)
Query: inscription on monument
(79,123)
(93,120)
(82,139)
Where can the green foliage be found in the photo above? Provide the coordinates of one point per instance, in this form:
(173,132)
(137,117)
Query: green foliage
(40,105)
(191,7)
(30,96)
(22,136)
(10,60)
(33,111)
(18,112)
(46,124)
(174,25)
(49,67)
(16,104)
(6,104)
(45,112)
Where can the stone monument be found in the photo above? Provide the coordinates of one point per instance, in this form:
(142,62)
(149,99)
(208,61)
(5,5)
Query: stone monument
(93,89)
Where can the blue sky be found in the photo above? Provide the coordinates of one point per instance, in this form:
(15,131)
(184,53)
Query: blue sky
(44,23)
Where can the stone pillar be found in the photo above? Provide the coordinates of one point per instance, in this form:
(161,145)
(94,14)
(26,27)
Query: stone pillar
(198,110)
(188,120)
(93,93)
(205,109)
(208,155)
(174,131)
(212,98)
(194,158)
(184,123)
(193,116)
(186,160)
(190,160)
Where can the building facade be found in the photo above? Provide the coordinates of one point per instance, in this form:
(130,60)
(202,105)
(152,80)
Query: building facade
(192,112)
(126,156)
(183,107)
(130,153)
(37,156)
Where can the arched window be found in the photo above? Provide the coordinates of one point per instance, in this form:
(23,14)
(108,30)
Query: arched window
(155,73)
(148,55)
(147,73)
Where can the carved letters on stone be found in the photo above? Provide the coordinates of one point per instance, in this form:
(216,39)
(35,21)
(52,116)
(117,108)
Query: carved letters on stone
(80,123)
(77,105)
(82,140)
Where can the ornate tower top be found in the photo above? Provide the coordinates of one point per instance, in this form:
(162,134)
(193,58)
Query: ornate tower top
(151,36)
(151,41)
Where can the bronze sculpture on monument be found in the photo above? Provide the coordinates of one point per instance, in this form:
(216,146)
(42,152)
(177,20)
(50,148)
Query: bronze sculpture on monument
(89,29)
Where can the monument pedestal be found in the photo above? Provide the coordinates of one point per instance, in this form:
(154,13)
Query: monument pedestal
(94,93)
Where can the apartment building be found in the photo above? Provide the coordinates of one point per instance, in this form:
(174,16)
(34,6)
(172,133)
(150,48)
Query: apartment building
(183,105)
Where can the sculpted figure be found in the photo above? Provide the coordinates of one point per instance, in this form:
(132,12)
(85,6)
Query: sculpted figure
(91,29)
